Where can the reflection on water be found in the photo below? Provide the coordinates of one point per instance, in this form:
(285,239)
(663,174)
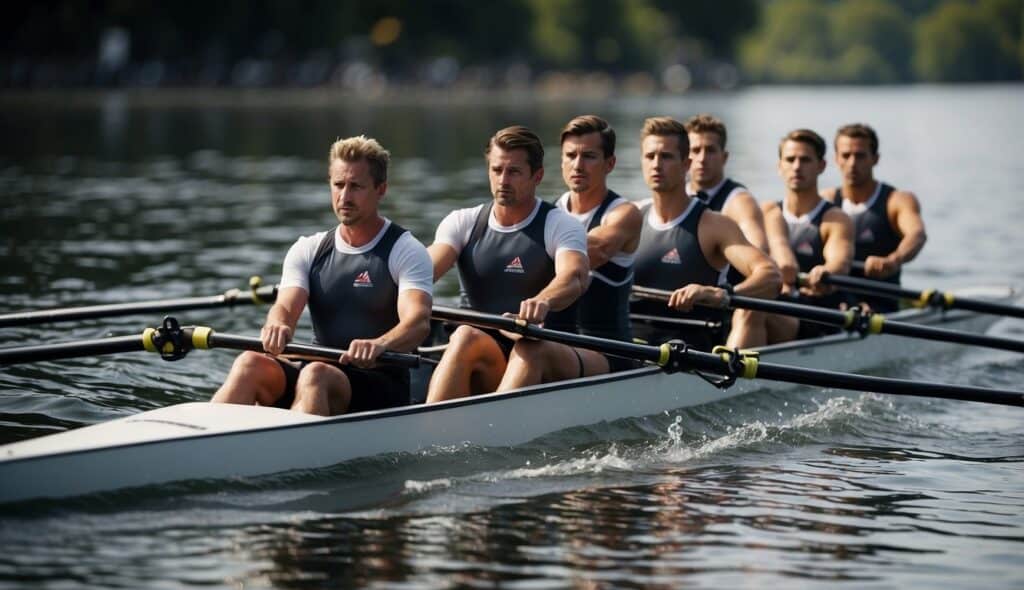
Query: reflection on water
(109,198)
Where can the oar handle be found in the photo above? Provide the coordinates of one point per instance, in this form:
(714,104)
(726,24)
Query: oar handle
(232,341)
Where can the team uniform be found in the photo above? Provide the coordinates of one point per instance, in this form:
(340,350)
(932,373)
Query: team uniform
(500,266)
(603,310)
(669,257)
(808,245)
(874,235)
(353,294)
(716,198)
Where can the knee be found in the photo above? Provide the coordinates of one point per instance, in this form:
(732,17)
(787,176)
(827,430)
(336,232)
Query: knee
(313,375)
(746,316)
(250,361)
(465,337)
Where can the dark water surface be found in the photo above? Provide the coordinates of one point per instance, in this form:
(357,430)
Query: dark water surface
(115,197)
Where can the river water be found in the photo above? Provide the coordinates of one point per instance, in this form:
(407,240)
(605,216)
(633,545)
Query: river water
(119,197)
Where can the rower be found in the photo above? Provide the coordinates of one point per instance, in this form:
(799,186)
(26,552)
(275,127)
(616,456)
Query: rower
(684,247)
(368,286)
(888,229)
(516,255)
(707,135)
(816,236)
(613,232)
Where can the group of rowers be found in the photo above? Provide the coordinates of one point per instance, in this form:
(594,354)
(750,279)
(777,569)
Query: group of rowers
(571,265)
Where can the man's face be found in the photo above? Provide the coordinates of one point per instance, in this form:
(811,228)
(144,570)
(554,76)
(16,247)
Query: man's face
(799,166)
(583,163)
(707,159)
(855,160)
(512,182)
(353,195)
(664,167)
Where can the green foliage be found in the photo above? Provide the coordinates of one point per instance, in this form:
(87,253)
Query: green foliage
(963,43)
(886,41)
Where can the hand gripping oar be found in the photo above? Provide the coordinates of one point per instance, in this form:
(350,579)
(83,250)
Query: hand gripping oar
(926,298)
(173,342)
(731,364)
(257,294)
(854,320)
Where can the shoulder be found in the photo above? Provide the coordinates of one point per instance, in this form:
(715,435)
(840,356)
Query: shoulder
(829,195)
(836,215)
(741,199)
(899,199)
(771,207)
(307,245)
(622,211)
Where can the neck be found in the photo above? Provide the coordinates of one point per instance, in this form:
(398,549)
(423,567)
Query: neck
(861,192)
(587,200)
(802,202)
(706,185)
(668,206)
(361,233)
(512,214)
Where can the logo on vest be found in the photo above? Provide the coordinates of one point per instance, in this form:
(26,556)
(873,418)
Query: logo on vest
(515,266)
(805,248)
(672,257)
(363,280)
(866,236)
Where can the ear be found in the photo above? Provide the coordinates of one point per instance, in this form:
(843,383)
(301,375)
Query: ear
(821,166)
(609,164)
(381,189)
(874,159)
(725,156)
(538,175)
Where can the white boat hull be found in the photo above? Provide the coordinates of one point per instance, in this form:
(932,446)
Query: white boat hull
(214,441)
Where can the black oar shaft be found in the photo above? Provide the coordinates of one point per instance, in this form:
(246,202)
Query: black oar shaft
(234,342)
(62,350)
(887,385)
(957,336)
(233,297)
(922,298)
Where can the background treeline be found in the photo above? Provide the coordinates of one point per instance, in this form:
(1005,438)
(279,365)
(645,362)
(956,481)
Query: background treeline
(669,44)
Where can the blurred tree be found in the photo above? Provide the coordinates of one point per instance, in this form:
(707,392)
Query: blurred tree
(874,40)
(793,43)
(962,43)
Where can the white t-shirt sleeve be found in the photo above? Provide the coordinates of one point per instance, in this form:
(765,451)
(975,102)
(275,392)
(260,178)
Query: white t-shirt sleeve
(456,228)
(299,261)
(562,232)
(410,265)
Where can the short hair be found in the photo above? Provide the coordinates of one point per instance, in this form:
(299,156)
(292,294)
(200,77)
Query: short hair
(585,124)
(705,123)
(808,137)
(667,127)
(360,147)
(518,137)
(861,131)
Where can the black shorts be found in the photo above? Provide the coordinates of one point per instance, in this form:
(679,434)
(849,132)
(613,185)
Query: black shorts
(372,389)
(809,329)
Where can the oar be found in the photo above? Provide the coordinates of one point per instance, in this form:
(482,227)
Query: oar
(855,321)
(927,297)
(173,342)
(676,356)
(257,294)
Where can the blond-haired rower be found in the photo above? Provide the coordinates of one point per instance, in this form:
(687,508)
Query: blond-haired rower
(368,286)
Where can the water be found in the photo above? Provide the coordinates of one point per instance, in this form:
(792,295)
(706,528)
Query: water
(118,197)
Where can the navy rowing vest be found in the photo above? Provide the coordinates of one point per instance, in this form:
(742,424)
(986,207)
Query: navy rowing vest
(670,259)
(715,203)
(500,269)
(809,248)
(603,310)
(873,234)
(352,296)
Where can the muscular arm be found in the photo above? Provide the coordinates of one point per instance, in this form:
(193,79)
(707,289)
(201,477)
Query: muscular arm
(904,215)
(763,277)
(619,233)
(744,210)
(837,232)
(282,318)
(777,233)
(572,276)
(413,322)
(443,257)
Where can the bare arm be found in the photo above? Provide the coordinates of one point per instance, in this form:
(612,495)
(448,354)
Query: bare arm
(443,257)
(744,210)
(777,233)
(837,233)
(619,233)
(282,318)
(413,326)
(904,215)
(572,276)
